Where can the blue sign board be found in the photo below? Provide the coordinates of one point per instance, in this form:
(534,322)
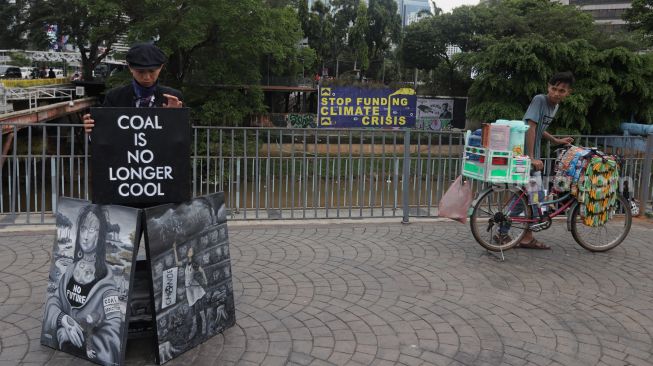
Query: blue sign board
(347,107)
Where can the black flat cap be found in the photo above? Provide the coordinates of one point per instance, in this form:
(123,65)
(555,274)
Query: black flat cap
(145,56)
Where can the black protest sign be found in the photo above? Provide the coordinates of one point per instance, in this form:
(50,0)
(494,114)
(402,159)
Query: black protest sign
(188,248)
(140,155)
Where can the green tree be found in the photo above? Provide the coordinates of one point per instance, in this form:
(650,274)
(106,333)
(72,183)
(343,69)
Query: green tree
(385,27)
(320,31)
(12,25)
(19,32)
(217,51)
(425,47)
(347,31)
(303,14)
(511,48)
(93,26)
(424,44)
(357,38)
(640,15)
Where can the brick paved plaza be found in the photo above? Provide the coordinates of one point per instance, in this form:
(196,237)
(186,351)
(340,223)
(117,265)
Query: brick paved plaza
(387,294)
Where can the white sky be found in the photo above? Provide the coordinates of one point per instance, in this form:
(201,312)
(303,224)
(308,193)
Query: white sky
(448,5)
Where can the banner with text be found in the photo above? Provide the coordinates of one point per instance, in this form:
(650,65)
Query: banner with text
(140,155)
(347,107)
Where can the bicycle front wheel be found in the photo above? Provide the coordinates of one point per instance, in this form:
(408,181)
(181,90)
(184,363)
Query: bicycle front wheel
(492,220)
(607,236)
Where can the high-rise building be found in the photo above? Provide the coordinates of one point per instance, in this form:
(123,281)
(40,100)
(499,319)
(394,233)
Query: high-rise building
(410,9)
(607,14)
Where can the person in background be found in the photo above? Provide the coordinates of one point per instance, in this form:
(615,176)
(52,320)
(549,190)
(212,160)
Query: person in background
(51,74)
(316,79)
(145,62)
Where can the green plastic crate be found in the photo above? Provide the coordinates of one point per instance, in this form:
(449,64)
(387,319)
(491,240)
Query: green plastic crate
(520,168)
(475,162)
(498,172)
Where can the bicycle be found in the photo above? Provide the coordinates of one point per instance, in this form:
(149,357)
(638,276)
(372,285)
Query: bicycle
(496,229)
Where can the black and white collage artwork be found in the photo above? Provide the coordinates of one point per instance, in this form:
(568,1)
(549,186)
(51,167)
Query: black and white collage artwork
(188,249)
(89,280)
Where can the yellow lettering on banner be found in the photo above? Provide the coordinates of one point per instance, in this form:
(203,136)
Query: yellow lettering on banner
(325,101)
(400,102)
(347,100)
(358,111)
(324,111)
(383,121)
(348,111)
(359,101)
(375,110)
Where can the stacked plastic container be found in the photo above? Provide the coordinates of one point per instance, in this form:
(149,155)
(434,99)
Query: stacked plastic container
(517,134)
(474,157)
(499,157)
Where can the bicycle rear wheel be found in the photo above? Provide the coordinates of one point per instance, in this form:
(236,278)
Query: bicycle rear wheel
(607,236)
(492,222)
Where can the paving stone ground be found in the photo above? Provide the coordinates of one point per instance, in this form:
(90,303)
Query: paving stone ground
(388,294)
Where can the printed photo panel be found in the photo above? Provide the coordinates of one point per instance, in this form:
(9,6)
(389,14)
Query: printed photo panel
(188,246)
(93,258)
(434,114)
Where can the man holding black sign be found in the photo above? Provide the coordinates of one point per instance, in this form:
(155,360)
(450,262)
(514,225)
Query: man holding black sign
(145,63)
(141,136)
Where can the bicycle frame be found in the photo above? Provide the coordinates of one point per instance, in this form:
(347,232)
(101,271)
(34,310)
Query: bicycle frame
(566,197)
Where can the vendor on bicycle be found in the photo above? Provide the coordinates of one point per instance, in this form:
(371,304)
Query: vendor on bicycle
(539,116)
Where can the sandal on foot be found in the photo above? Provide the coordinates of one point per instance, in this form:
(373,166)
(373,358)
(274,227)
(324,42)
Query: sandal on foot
(534,244)
(501,238)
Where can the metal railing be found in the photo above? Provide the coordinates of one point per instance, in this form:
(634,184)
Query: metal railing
(33,95)
(279,173)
